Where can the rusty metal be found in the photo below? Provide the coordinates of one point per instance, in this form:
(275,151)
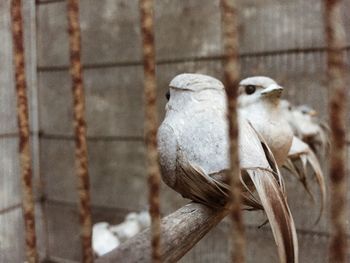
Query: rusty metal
(81,153)
(23,127)
(335,34)
(231,81)
(151,121)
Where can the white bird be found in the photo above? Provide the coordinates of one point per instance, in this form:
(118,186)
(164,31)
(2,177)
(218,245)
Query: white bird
(103,240)
(307,126)
(144,219)
(259,102)
(301,153)
(128,228)
(193,147)
(106,237)
(132,225)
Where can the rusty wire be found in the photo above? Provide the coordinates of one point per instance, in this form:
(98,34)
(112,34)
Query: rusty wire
(81,153)
(335,34)
(231,80)
(151,121)
(23,127)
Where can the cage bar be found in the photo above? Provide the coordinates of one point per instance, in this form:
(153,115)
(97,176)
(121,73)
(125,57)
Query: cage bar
(335,36)
(151,121)
(231,81)
(81,153)
(23,127)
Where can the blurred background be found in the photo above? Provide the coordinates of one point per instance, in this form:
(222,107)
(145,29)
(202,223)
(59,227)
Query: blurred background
(282,39)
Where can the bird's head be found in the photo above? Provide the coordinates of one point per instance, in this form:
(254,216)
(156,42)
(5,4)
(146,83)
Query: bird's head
(307,110)
(193,89)
(257,89)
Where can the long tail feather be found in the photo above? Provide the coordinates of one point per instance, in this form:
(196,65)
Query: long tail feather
(315,165)
(301,152)
(306,159)
(300,174)
(278,214)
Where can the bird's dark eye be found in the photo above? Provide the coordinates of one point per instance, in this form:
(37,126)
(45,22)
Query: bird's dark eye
(250,89)
(167,95)
(289,108)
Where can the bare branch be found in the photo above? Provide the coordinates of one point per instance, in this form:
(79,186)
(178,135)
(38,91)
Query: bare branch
(181,230)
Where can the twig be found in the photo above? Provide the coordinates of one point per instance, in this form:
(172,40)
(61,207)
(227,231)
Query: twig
(181,230)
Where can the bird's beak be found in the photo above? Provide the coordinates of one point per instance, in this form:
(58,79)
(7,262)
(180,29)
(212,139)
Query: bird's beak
(313,113)
(273,89)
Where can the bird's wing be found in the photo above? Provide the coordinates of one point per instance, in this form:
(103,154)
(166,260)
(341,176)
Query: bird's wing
(269,156)
(200,187)
(167,145)
(301,152)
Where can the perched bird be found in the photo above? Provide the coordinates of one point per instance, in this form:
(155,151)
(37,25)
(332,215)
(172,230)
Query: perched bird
(193,147)
(132,225)
(106,237)
(307,126)
(301,152)
(259,102)
(103,240)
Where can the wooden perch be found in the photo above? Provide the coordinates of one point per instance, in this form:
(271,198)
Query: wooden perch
(181,230)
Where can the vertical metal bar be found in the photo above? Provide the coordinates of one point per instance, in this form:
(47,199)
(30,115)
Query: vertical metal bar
(231,80)
(151,121)
(23,126)
(81,153)
(335,34)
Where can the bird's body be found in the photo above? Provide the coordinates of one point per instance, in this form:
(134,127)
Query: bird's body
(203,142)
(193,147)
(270,123)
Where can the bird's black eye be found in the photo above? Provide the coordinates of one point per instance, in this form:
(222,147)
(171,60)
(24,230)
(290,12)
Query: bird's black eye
(167,95)
(289,108)
(250,89)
